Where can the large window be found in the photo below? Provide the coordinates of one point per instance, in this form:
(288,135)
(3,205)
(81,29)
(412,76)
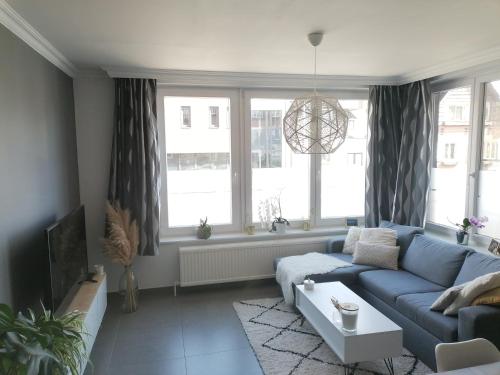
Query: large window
(198,161)
(488,203)
(448,195)
(343,172)
(225,158)
(276,170)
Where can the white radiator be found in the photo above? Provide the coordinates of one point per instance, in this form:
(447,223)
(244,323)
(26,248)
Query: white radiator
(219,263)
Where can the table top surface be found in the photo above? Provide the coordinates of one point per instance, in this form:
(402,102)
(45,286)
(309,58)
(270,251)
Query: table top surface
(370,320)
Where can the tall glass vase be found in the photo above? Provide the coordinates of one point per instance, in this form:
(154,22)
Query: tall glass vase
(129,289)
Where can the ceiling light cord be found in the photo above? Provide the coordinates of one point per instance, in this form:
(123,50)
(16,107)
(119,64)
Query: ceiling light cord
(314,78)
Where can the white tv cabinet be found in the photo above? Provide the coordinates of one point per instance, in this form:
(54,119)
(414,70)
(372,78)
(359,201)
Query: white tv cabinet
(91,300)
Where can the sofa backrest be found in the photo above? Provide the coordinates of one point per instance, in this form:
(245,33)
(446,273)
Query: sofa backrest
(434,260)
(405,235)
(477,264)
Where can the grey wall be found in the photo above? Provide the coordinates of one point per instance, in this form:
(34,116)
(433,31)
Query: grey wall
(38,164)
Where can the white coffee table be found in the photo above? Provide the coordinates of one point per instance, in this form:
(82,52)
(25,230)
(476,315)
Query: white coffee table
(376,337)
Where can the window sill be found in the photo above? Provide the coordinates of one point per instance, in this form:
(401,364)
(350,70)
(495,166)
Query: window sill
(258,236)
(476,241)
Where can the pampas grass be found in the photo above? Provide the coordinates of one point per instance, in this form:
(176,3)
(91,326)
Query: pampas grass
(122,240)
(120,245)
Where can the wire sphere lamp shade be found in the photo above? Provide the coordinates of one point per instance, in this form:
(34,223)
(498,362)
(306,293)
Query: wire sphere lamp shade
(315,125)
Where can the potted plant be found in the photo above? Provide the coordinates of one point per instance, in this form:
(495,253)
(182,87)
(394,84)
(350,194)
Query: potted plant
(120,245)
(41,344)
(204,230)
(279,223)
(464,227)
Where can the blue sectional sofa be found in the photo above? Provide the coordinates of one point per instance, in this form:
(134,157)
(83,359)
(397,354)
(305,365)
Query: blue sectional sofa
(427,267)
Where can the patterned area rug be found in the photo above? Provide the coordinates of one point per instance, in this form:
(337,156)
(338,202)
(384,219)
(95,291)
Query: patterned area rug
(286,344)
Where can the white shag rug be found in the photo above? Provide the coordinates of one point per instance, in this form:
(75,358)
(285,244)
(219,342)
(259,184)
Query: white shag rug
(286,344)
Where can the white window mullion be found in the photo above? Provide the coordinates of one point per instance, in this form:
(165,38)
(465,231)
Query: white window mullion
(475,146)
(247,158)
(315,205)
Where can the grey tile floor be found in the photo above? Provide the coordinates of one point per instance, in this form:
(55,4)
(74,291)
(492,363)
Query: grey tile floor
(195,333)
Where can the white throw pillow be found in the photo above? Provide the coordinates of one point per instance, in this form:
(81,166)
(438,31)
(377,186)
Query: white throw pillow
(377,255)
(447,297)
(472,290)
(381,236)
(351,239)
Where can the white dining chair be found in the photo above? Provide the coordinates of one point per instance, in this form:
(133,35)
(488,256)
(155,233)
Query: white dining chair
(463,354)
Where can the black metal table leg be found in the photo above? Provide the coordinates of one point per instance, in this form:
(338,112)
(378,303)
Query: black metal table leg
(390,365)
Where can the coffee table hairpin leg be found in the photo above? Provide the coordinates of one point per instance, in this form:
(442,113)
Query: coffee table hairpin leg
(348,370)
(390,365)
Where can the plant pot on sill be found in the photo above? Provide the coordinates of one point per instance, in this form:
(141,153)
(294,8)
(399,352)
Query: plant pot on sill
(280,228)
(462,237)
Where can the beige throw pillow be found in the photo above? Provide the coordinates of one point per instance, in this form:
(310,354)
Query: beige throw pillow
(447,297)
(351,239)
(472,290)
(382,236)
(491,297)
(377,255)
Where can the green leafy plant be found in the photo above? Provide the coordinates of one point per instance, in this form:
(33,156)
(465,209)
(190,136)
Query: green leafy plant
(41,344)
(204,230)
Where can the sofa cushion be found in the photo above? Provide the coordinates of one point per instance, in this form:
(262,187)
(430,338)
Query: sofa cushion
(434,260)
(473,289)
(405,234)
(475,265)
(346,275)
(382,236)
(388,285)
(417,308)
(376,255)
(351,240)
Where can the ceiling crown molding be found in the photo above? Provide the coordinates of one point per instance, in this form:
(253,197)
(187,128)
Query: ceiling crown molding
(248,80)
(24,31)
(459,64)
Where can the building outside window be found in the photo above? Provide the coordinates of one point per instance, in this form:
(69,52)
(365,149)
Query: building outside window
(185,116)
(343,172)
(456,112)
(449,151)
(229,174)
(276,169)
(198,162)
(214,117)
(449,176)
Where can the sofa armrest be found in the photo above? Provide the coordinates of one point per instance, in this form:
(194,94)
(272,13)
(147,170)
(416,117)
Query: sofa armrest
(335,244)
(479,321)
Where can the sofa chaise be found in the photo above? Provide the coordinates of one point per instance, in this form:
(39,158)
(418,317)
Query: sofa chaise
(427,267)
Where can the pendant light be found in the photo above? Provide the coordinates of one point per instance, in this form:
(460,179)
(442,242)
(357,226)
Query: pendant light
(315,124)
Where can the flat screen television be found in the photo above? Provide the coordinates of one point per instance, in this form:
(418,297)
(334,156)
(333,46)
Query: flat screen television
(67,247)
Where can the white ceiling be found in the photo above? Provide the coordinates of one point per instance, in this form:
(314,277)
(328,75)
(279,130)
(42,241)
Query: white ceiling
(362,37)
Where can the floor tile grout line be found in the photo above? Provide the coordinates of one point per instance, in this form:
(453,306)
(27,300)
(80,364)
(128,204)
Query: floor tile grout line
(113,343)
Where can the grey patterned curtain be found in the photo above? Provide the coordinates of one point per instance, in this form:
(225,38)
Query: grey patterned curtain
(399,154)
(135,159)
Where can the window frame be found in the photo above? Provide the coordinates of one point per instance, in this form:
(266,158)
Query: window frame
(236,183)
(479,118)
(478,110)
(435,91)
(315,159)
(241,162)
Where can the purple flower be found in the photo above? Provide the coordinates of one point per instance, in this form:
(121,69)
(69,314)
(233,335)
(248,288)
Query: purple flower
(478,222)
